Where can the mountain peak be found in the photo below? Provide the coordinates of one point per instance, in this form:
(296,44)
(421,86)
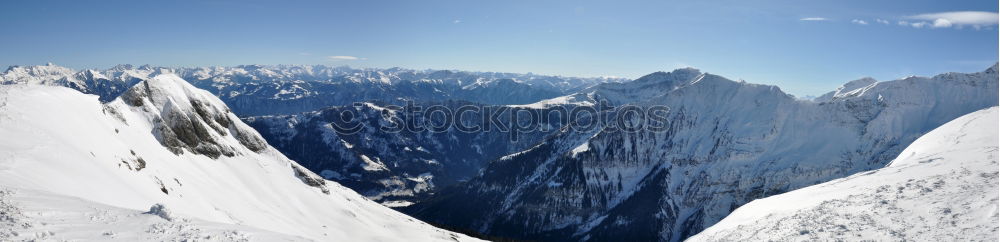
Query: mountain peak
(851,86)
(687,70)
(847,88)
(192,119)
(677,75)
(90,74)
(122,67)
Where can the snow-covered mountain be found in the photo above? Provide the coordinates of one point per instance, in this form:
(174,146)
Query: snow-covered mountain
(87,81)
(165,161)
(943,187)
(727,143)
(290,89)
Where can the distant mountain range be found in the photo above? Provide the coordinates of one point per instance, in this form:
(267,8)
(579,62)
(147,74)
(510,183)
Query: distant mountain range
(252,90)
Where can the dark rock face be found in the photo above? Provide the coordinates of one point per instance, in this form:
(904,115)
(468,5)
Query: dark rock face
(310,178)
(104,88)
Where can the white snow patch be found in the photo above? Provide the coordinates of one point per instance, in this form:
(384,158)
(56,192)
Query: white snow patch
(397,204)
(372,165)
(580,149)
(575,99)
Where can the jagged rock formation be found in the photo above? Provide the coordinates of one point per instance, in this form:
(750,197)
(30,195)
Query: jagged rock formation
(185,117)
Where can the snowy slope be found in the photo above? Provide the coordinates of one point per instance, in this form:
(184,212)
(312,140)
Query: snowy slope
(943,187)
(166,142)
(27,215)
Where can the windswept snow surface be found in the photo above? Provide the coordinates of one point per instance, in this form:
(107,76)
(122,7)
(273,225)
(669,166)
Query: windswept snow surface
(943,187)
(62,143)
(27,215)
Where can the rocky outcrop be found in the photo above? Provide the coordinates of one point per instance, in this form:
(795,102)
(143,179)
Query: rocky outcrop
(187,118)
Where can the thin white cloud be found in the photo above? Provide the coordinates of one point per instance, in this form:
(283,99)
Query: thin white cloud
(882,21)
(858,21)
(976,19)
(919,24)
(457,21)
(344,58)
(814,19)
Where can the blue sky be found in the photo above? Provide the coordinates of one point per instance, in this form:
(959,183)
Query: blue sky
(805,47)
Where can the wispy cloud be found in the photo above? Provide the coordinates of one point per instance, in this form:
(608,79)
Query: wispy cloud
(918,25)
(814,19)
(960,19)
(344,58)
(975,19)
(457,21)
